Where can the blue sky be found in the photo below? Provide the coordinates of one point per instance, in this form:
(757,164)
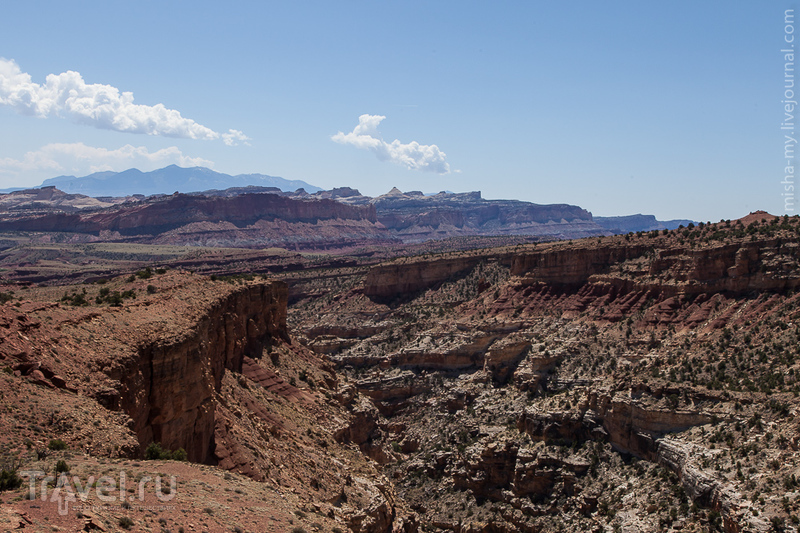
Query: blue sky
(668,108)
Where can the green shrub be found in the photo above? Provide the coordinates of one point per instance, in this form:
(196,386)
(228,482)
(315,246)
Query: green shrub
(76,299)
(115,298)
(62,466)
(145,274)
(154,451)
(179,455)
(57,444)
(9,480)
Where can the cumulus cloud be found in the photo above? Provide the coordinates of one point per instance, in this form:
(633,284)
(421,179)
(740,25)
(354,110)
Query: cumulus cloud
(233,137)
(414,156)
(67,95)
(79,159)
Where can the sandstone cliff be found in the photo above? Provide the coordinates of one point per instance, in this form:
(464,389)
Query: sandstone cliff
(157,215)
(170,393)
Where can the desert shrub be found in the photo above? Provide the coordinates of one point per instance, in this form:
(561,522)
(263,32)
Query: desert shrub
(9,480)
(145,274)
(76,299)
(115,298)
(57,444)
(154,451)
(125,522)
(62,466)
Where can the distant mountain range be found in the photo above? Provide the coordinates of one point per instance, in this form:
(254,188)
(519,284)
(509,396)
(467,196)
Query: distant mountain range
(410,217)
(165,181)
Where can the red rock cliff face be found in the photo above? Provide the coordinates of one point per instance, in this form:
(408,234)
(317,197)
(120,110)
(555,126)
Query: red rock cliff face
(402,278)
(572,266)
(157,216)
(170,393)
(737,268)
(769,264)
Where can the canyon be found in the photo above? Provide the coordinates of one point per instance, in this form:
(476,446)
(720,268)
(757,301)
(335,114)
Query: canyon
(638,382)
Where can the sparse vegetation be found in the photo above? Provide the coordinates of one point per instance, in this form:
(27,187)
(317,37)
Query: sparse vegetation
(154,451)
(57,444)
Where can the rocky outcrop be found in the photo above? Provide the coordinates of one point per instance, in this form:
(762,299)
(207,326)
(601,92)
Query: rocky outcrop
(628,424)
(571,265)
(503,357)
(168,391)
(502,471)
(645,432)
(447,353)
(406,277)
(765,265)
(398,387)
(771,264)
(704,488)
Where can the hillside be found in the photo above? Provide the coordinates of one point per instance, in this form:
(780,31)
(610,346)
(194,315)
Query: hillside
(644,382)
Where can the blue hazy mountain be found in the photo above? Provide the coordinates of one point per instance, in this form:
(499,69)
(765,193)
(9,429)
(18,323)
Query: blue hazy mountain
(167,181)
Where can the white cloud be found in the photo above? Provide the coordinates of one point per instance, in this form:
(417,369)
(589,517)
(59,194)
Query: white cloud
(233,136)
(414,156)
(67,95)
(78,159)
